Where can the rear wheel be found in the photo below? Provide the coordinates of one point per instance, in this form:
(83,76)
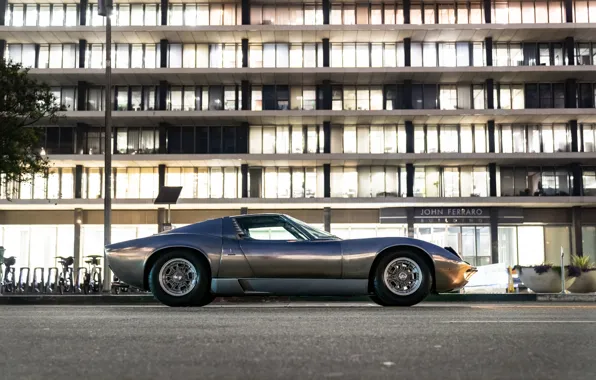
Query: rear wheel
(179,278)
(401,278)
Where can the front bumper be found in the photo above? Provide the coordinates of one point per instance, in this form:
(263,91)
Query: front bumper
(451,275)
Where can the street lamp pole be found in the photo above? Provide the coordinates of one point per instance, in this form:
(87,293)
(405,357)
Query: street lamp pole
(105,9)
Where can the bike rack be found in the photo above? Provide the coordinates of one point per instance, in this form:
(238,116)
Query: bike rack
(10,272)
(77,285)
(38,284)
(52,272)
(22,286)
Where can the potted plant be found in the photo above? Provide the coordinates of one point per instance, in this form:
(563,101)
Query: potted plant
(586,283)
(546,278)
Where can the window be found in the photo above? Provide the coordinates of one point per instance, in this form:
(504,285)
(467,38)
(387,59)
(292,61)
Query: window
(269,228)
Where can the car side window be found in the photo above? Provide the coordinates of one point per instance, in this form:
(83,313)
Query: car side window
(268,227)
(270,233)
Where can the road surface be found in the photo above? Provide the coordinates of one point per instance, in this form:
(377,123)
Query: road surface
(308,341)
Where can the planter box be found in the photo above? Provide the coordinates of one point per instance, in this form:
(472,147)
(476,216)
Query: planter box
(549,282)
(586,283)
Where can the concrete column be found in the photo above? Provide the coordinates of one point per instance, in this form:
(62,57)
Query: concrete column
(327,218)
(163,52)
(406,11)
(490,95)
(3,7)
(494,234)
(327,137)
(488,49)
(487,11)
(327,180)
(162,130)
(82,88)
(576,231)
(326,52)
(161,219)
(408,52)
(327,100)
(409,180)
(245,12)
(407,94)
(78,192)
(81,134)
(491,136)
(326,12)
(83,5)
(410,221)
(161,176)
(570,51)
(575,143)
(568,10)
(245,52)
(244,172)
(492,179)
(409,137)
(242,135)
(82,51)
(76,252)
(245,89)
(570,93)
(162,100)
(164,12)
(578,181)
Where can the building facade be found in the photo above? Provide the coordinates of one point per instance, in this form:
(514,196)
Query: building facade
(466,123)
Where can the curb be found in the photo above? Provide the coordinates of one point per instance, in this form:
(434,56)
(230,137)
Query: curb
(148,299)
(566,297)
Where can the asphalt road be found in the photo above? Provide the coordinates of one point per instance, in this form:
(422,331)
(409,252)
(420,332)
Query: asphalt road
(432,341)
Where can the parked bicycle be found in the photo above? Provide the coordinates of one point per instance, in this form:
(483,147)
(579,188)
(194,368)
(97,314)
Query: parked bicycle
(65,281)
(7,283)
(93,281)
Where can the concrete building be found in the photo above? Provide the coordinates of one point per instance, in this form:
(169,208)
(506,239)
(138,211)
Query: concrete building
(466,123)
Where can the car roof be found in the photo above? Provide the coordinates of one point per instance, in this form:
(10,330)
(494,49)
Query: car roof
(259,214)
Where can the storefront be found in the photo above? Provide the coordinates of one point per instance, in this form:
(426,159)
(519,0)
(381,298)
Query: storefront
(486,235)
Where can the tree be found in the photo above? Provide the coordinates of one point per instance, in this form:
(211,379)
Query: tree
(23,103)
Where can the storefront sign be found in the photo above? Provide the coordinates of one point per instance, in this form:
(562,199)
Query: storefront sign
(452,215)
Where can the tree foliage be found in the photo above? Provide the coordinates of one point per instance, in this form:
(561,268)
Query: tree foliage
(24,102)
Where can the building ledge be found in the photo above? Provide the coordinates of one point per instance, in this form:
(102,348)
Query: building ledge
(428,116)
(318,159)
(302,33)
(313,76)
(302,203)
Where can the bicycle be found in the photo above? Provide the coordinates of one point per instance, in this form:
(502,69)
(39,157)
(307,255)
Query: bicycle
(7,282)
(93,281)
(65,277)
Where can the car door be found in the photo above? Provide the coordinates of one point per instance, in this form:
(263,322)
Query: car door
(274,252)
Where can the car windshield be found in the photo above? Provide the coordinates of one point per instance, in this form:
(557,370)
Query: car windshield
(314,232)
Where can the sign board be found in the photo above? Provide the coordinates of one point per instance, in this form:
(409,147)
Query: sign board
(452,215)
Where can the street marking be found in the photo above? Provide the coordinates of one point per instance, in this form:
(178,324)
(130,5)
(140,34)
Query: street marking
(518,321)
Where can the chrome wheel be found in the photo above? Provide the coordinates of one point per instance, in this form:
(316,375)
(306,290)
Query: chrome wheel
(402,276)
(178,277)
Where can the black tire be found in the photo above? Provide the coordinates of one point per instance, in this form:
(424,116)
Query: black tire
(378,301)
(198,296)
(385,297)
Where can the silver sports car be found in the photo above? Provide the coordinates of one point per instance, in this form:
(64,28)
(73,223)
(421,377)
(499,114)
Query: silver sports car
(275,254)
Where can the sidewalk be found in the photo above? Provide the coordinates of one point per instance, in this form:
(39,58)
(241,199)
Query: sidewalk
(147,299)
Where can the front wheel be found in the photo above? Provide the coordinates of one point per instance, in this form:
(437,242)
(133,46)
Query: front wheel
(179,278)
(401,278)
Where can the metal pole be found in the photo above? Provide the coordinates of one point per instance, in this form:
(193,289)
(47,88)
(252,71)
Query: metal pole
(107,214)
(562,271)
